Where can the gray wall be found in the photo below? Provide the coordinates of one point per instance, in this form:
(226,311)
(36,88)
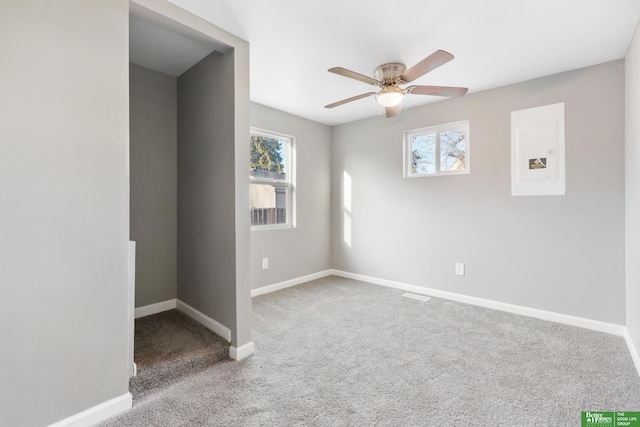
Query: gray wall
(206,185)
(64,199)
(305,249)
(632,188)
(564,254)
(153,151)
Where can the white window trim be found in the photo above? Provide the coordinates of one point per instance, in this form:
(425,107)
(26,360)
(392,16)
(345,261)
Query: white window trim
(438,129)
(291,166)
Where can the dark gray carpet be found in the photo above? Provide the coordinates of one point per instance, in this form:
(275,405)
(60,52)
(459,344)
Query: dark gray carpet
(169,346)
(337,352)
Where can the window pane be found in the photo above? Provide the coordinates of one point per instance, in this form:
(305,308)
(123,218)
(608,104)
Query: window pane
(268,204)
(452,150)
(423,154)
(268,158)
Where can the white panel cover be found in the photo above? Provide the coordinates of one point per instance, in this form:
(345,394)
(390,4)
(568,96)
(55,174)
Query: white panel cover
(537,151)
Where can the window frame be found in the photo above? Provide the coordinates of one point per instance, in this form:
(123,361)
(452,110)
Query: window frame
(409,135)
(289,183)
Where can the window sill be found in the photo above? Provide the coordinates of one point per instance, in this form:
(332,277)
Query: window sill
(444,173)
(272,227)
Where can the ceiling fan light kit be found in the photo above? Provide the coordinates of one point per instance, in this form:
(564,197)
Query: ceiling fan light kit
(390,76)
(390,96)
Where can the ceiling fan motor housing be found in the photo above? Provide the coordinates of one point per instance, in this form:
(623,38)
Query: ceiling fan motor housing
(388,73)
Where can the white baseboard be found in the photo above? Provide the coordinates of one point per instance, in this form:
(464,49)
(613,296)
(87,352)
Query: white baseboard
(288,283)
(204,320)
(185,308)
(595,325)
(243,351)
(98,413)
(632,349)
(156,308)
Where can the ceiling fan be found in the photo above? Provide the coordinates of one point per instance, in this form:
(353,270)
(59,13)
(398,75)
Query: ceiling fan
(390,76)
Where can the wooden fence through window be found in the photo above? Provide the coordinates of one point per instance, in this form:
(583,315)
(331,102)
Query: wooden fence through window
(266,216)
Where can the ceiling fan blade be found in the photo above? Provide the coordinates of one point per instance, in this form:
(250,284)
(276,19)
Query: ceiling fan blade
(393,111)
(353,98)
(430,63)
(437,90)
(352,74)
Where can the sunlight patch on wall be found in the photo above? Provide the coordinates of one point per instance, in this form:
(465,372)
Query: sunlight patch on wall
(346,221)
(347,192)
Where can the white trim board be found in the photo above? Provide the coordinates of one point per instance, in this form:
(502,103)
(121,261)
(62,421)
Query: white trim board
(580,322)
(98,413)
(242,352)
(632,349)
(156,308)
(288,283)
(176,304)
(565,319)
(218,328)
(131,310)
(235,353)
(204,320)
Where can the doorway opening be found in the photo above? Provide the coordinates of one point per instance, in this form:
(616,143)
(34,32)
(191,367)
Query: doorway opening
(183,189)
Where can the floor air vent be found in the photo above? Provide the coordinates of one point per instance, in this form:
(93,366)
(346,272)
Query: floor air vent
(416,296)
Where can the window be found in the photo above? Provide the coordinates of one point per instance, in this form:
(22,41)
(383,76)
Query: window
(437,150)
(272,184)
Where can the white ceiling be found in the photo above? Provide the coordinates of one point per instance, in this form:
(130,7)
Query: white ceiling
(495,42)
(166,46)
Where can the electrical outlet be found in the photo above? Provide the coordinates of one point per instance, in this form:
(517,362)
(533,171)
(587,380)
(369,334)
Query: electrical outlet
(459,269)
(265,263)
